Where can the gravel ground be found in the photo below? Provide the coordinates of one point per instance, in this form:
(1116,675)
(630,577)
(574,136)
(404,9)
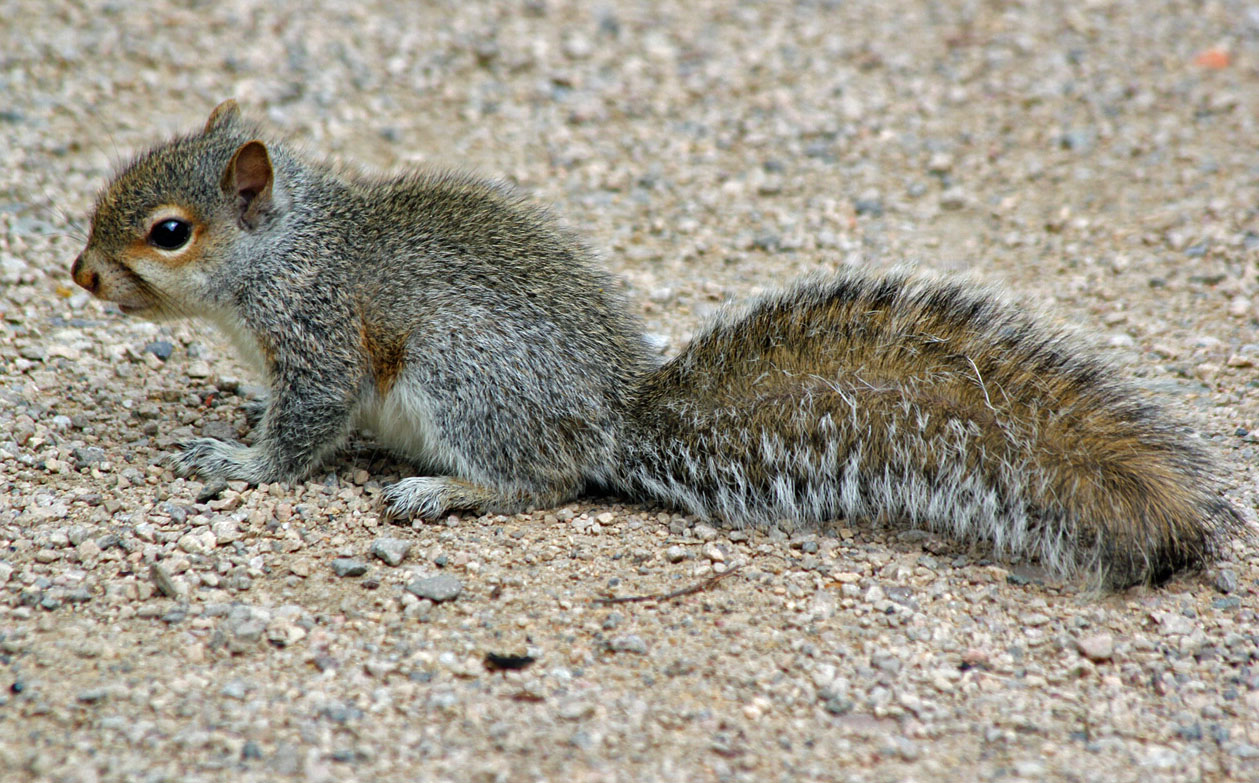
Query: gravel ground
(1095,158)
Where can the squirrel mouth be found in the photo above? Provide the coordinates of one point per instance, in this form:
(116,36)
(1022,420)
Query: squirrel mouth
(133,309)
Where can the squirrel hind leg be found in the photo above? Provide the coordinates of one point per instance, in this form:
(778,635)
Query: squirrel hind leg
(431,497)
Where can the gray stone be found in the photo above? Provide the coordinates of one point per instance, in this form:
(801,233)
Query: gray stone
(1078,139)
(225,530)
(346,566)
(705,532)
(162,349)
(88,456)
(868,206)
(1098,647)
(163,580)
(392,550)
(442,587)
(250,630)
(92,695)
(630,644)
(211,491)
(177,512)
(234,689)
(1225,580)
(886,662)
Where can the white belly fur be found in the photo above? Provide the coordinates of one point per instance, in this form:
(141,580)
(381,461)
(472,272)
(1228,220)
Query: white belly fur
(403,423)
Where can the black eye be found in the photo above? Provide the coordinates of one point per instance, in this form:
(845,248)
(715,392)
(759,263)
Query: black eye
(170,234)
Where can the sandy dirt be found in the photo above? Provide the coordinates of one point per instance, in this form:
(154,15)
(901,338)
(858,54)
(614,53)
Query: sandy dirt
(1097,159)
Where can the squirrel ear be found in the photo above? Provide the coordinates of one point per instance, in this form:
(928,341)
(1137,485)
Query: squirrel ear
(226,112)
(248,180)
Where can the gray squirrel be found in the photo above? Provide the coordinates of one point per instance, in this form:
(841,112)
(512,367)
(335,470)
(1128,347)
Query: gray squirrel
(477,340)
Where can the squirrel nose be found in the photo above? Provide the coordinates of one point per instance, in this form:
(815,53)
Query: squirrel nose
(85,278)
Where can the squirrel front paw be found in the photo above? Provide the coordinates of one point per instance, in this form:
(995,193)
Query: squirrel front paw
(210,458)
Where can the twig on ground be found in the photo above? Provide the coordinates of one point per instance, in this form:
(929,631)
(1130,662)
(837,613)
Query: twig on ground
(698,587)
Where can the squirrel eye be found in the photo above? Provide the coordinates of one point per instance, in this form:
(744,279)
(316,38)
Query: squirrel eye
(170,234)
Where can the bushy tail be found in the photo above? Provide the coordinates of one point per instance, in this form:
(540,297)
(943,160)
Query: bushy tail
(931,403)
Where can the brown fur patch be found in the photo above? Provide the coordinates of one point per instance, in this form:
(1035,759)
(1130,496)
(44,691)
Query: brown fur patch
(387,354)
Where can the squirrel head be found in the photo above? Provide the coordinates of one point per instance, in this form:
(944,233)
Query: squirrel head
(169,219)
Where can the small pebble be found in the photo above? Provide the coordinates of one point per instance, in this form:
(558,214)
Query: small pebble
(953,199)
(392,550)
(629,644)
(1097,647)
(1225,580)
(87,457)
(346,566)
(92,695)
(713,552)
(164,581)
(705,532)
(442,587)
(162,349)
(225,530)
(868,206)
(211,491)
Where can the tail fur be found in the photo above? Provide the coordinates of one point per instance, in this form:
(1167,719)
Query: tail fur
(931,403)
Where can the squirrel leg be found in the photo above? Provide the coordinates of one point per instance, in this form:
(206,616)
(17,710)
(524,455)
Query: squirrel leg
(296,432)
(430,497)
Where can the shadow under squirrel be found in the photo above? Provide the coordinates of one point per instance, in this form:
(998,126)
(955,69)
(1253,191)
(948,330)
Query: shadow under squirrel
(476,339)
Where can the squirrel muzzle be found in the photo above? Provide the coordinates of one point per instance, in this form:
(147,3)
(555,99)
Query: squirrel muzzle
(111,281)
(85,277)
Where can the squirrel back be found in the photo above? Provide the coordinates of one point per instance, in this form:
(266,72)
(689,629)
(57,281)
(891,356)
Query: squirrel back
(930,403)
(481,343)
